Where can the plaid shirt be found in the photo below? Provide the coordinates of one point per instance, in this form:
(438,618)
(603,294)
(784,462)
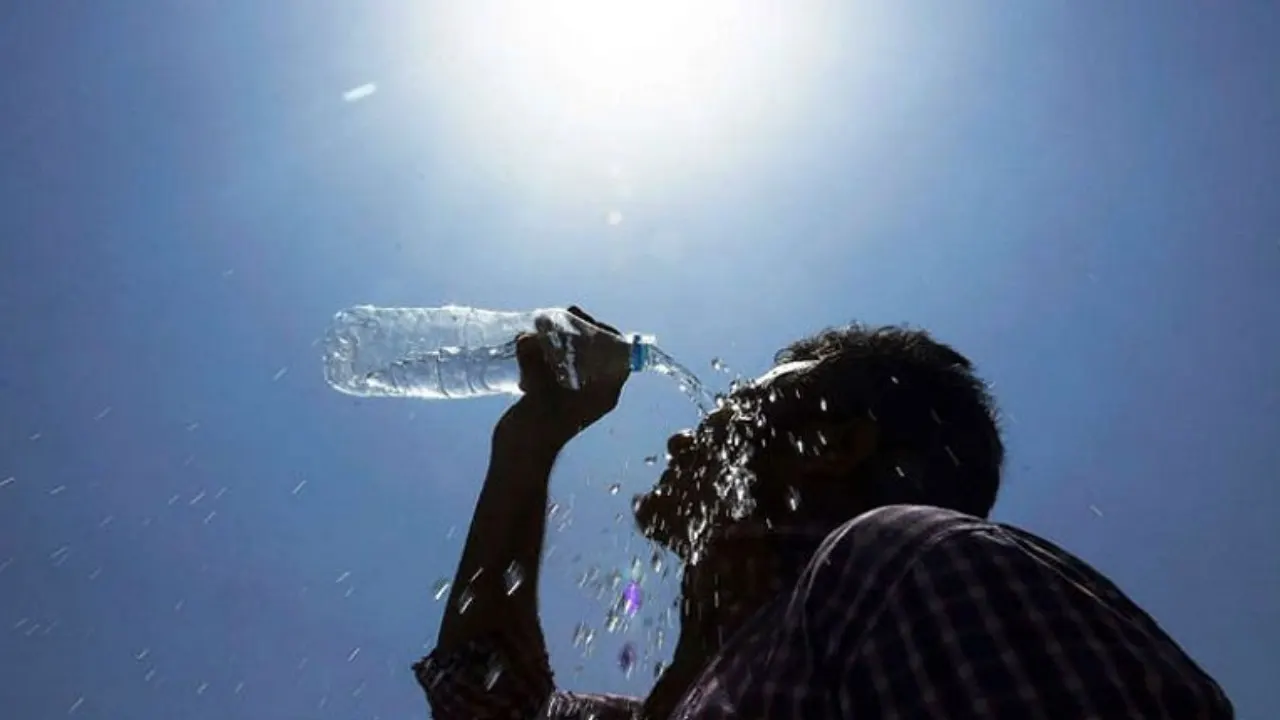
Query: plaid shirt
(904,612)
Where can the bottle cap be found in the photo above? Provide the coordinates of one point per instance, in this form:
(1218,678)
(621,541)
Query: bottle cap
(640,351)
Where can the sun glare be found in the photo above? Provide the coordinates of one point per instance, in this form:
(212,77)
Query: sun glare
(649,52)
(557,92)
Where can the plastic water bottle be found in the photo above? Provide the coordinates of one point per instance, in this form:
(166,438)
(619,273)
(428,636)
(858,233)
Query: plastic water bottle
(451,352)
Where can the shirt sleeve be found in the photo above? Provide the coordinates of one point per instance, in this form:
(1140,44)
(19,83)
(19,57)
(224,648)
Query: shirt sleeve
(982,620)
(490,679)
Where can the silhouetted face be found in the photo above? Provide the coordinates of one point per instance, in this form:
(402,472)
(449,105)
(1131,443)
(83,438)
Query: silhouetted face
(733,466)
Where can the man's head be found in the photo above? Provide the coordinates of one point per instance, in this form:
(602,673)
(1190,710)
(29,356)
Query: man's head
(848,420)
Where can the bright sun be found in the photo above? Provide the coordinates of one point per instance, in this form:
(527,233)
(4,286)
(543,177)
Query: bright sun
(647,51)
(659,88)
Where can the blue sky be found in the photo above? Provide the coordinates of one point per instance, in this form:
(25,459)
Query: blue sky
(1081,196)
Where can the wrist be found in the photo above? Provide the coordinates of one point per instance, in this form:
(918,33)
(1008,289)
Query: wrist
(533,427)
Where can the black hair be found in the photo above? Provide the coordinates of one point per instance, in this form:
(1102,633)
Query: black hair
(939,435)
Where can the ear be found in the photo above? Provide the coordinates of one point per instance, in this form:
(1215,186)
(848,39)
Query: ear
(842,446)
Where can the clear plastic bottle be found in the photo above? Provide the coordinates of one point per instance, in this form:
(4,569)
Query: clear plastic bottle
(450,352)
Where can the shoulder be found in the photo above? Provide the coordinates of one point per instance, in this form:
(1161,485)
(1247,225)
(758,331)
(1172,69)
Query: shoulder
(879,555)
(879,545)
(859,565)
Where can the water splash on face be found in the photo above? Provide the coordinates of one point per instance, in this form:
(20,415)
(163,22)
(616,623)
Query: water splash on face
(734,478)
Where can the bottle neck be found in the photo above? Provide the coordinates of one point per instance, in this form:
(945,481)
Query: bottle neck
(641,352)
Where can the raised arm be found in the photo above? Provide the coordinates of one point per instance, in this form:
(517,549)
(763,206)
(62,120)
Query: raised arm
(490,658)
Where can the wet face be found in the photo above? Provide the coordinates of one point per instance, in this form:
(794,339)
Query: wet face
(726,470)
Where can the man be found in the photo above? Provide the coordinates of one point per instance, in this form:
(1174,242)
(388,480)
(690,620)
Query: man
(836,563)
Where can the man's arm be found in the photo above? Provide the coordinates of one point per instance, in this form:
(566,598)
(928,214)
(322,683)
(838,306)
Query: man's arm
(490,658)
(504,542)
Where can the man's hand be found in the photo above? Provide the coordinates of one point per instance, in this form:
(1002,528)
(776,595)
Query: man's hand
(600,359)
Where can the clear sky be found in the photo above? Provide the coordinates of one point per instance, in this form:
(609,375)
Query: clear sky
(1080,195)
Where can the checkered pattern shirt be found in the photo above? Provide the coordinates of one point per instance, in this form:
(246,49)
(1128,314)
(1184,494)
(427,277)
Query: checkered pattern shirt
(905,612)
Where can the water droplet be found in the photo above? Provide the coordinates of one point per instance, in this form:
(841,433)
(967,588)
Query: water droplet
(651,460)
(513,578)
(822,404)
(465,598)
(492,674)
(954,460)
(793,499)
(894,379)
(627,658)
(632,597)
(440,589)
(717,364)
(614,488)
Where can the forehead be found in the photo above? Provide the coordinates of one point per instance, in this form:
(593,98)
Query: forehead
(791,368)
(753,391)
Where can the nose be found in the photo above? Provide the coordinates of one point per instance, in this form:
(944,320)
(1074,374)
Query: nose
(680,443)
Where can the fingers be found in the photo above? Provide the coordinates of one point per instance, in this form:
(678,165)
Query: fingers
(582,315)
(535,373)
